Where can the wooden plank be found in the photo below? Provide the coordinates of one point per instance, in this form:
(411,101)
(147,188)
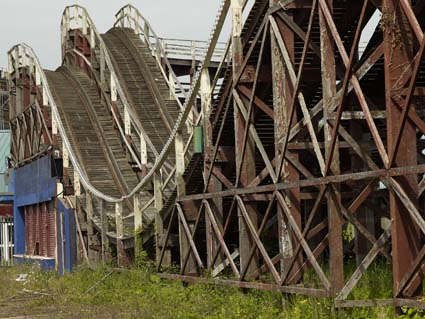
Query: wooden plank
(328,74)
(343,178)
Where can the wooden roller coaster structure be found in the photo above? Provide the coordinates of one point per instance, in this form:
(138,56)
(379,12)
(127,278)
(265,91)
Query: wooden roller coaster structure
(291,136)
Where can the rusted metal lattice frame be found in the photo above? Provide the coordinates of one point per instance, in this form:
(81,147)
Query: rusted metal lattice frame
(31,136)
(29,119)
(317,170)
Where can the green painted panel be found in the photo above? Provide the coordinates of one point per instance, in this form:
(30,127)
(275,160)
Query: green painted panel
(199,139)
(4,153)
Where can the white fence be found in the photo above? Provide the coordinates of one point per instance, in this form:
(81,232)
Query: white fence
(6,241)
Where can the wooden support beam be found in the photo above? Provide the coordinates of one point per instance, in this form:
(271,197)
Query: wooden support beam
(244,147)
(283,119)
(219,235)
(406,236)
(122,259)
(364,265)
(163,255)
(327,46)
(104,230)
(188,234)
(138,224)
(343,178)
(91,238)
(288,214)
(215,183)
(257,240)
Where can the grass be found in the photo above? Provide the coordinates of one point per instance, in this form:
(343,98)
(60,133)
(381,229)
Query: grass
(101,293)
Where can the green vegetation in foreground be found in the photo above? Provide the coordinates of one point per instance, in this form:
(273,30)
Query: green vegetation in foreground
(139,294)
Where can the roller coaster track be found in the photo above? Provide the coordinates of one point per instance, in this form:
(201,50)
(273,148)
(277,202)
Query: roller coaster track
(144,89)
(120,82)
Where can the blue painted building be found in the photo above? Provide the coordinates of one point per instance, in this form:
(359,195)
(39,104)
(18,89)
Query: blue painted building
(45,232)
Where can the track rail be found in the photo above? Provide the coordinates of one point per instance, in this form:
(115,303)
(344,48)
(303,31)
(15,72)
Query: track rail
(180,121)
(86,122)
(77,18)
(130,17)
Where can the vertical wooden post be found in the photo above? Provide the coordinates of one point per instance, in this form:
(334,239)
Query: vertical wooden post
(18,104)
(146,32)
(121,255)
(247,168)
(214,185)
(205,90)
(84,18)
(62,243)
(143,154)
(336,261)
(398,50)
(90,229)
(14,102)
(64,30)
(180,165)
(82,253)
(159,223)
(77,185)
(127,122)
(172,85)
(104,230)
(181,191)
(102,66)
(282,96)
(138,224)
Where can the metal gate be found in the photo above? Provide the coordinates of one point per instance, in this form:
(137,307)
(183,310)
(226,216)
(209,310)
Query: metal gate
(6,241)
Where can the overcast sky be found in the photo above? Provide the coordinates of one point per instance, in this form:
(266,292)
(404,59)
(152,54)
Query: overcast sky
(37,23)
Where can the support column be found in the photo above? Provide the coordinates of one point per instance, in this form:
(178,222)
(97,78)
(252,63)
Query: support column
(335,221)
(122,260)
(282,95)
(159,223)
(398,50)
(247,169)
(91,239)
(104,229)
(214,184)
(138,224)
(181,191)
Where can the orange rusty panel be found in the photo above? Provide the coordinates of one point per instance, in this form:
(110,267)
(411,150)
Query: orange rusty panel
(6,210)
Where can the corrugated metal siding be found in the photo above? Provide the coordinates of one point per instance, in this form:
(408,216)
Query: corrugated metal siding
(4,153)
(40,230)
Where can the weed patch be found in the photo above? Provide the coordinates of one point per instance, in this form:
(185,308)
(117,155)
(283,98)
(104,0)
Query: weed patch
(138,293)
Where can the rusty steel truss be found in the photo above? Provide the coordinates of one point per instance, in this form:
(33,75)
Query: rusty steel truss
(312,127)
